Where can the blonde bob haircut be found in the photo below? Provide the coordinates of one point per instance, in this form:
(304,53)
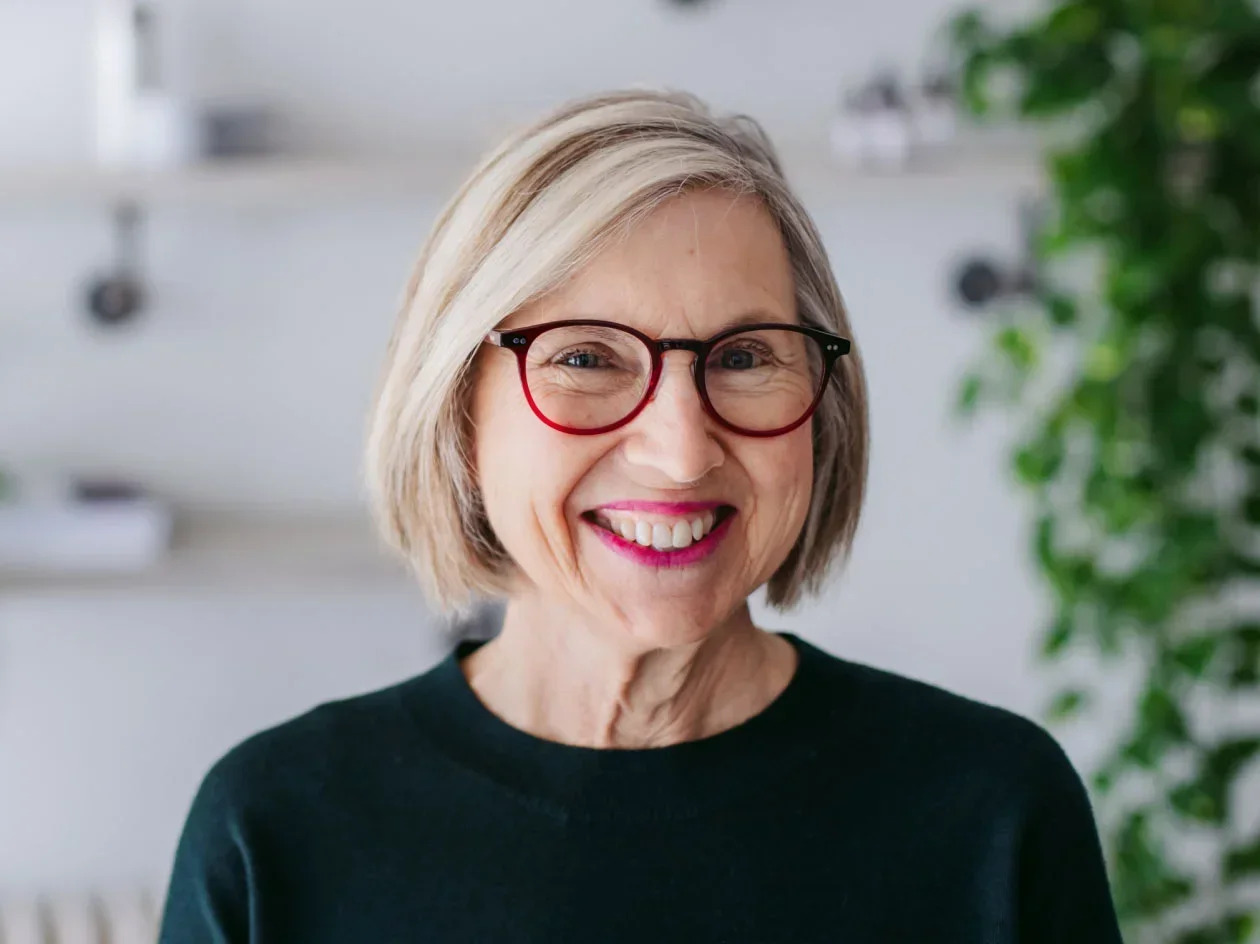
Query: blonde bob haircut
(533,211)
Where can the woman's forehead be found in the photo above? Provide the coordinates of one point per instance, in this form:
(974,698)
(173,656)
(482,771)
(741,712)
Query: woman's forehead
(700,263)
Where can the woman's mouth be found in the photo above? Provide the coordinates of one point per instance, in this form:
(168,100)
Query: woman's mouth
(661,540)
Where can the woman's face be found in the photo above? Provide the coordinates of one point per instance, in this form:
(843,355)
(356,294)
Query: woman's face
(696,264)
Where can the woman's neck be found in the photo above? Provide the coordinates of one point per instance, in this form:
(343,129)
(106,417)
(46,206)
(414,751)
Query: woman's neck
(550,675)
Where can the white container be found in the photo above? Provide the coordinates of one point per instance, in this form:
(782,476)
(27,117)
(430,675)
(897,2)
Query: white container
(114,80)
(139,122)
(889,131)
(166,132)
(130,916)
(74,920)
(850,139)
(21,921)
(93,537)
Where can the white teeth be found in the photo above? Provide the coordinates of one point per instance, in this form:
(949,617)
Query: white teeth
(682,534)
(643,533)
(662,535)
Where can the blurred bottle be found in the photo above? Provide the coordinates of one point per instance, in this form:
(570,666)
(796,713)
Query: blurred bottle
(23,921)
(872,126)
(890,123)
(139,122)
(936,111)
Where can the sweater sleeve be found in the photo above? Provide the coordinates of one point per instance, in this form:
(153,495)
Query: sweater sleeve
(1064,894)
(207,899)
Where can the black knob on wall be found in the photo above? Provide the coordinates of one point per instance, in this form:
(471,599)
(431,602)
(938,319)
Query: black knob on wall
(117,297)
(978,283)
(114,299)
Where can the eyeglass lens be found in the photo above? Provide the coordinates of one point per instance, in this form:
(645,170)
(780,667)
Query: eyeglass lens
(589,376)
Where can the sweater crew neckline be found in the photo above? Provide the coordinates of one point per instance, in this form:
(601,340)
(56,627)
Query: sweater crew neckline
(670,781)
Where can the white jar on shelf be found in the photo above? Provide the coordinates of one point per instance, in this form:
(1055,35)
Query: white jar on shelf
(139,121)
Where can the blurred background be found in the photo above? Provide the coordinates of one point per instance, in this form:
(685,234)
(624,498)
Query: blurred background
(208,211)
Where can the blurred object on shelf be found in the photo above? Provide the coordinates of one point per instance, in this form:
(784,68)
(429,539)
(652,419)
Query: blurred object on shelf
(76,919)
(242,131)
(981,281)
(885,123)
(140,122)
(130,916)
(935,111)
(119,296)
(94,527)
(24,921)
(115,916)
(872,126)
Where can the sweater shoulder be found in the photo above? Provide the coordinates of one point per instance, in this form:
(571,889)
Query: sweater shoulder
(309,754)
(911,723)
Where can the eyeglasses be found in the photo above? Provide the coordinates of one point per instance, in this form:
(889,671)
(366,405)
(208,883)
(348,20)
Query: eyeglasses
(586,376)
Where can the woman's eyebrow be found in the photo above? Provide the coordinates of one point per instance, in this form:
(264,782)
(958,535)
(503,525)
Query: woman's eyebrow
(751,316)
(754,316)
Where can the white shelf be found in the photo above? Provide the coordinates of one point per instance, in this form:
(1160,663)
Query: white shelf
(238,182)
(239,552)
(975,159)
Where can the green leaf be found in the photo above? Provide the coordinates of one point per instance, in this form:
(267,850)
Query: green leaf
(1074,23)
(1197,804)
(975,75)
(1194,655)
(1104,361)
(1242,861)
(969,394)
(1249,405)
(1059,635)
(1206,797)
(1251,508)
(1243,656)
(1038,461)
(1198,123)
(1161,722)
(1066,704)
(1104,778)
(1062,310)
(1235,928)
(1145,884)
(1017,346)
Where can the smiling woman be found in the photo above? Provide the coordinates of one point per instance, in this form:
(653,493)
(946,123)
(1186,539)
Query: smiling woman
(622,395)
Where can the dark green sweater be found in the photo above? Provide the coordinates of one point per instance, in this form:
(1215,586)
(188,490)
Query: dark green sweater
(859,807)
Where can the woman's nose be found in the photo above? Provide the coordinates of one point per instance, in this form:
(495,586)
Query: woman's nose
(673,433)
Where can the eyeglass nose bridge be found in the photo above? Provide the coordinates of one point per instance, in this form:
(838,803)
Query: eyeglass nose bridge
(663,345)
(680,344)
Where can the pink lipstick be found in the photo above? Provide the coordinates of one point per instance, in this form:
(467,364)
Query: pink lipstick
(680,557)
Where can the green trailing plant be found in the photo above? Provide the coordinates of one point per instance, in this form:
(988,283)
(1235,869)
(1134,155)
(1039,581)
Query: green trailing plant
(1140,444)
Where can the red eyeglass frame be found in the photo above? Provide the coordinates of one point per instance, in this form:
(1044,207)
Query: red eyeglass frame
(832,346)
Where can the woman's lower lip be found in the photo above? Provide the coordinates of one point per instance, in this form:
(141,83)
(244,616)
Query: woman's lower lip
(651,557)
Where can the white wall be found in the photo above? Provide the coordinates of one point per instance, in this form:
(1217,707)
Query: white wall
(384,72)
(111,709)
(247,382)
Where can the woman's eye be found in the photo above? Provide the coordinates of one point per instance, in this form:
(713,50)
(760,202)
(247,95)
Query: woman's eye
(580,359)
(738,359)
